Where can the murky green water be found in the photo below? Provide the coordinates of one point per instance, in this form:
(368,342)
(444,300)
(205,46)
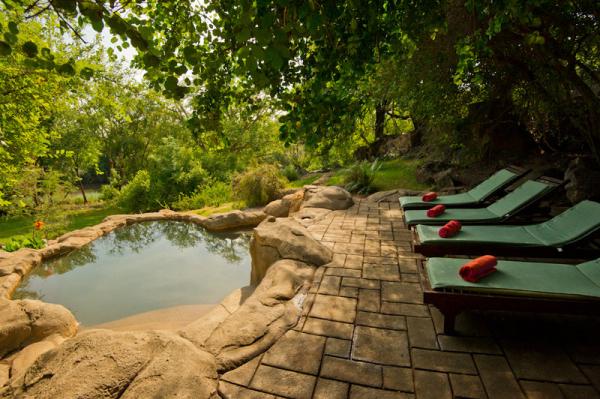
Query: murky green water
(142,267)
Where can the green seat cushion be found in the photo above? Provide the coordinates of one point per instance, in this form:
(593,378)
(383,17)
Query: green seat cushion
(514,236)
(477,194)
(516,278)
(571,225)
(511,203)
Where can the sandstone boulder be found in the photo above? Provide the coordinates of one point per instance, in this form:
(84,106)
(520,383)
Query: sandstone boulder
(108,364)
(277,208)
(391,195)
(332,197)
(233,220)
(20,262)
(24,322)
(276,239)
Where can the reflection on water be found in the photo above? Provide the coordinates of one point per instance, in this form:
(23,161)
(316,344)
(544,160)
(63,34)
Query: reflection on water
(142,267)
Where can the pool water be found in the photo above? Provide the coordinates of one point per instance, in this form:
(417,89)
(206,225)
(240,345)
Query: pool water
(141,267)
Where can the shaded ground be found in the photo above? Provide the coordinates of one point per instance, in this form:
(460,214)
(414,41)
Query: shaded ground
(367,334)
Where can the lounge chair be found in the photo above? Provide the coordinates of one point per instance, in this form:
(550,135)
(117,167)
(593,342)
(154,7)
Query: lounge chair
(515,286)
(556,237)
(506,207)
(474,197)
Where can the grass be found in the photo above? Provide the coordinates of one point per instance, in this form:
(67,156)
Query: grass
(304,181)
(211,210)
(76,219)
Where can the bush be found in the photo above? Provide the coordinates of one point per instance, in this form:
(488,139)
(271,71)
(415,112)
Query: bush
(212,194)
(17,243)
(290,172)
(136,195)
(108,192)
(359,177)
(258,185)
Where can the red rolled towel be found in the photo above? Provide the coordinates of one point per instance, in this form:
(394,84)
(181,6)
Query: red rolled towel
(478,268)
(450,229)
(429,196)
(436,211)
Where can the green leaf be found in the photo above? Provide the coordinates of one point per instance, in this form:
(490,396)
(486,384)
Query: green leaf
(66,69)
(97,24)
(274,58)
(5,49)
(171,83)
(11,38)
(30,49)
(150,60)
(13,28)
(86,73)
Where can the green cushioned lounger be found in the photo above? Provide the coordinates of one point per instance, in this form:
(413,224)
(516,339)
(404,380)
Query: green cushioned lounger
(473,197)
(526,194)
(515,286)
(565,229)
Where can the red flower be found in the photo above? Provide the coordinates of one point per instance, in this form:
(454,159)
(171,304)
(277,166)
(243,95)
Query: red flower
(38,225)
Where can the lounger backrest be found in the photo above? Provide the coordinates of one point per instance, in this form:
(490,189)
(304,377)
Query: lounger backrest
(492,184)
(591,270)
(571,225)
(520,197)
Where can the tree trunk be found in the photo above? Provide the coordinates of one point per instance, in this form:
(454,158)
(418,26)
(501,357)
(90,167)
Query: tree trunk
(380,111)
(85,201)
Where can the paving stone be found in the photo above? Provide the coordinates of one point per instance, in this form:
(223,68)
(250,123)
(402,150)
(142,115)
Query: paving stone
(360,283)
(381,346)
(592,372)
(283,382)
(338,259)
(352,371)
(398,378)
(368,300)
(469,344)
(359,392)
(381,272)
(231,391)
(354,262)
(308,302)
(407,265)
(388,250)
(330,389)
(401,292)
(350,292)
(300,325)
(296,351)
(467,386)
(545,361)
(579,391)
(431,385)
(443,361)
(243,374)
(541,390)
(497,377)
(349,249)
(421,333)
(584,352)
(409,277)
(381,320)
(343,272)
(405,309)
(334,308)
(328,328)
(338,347)
(381,260)
(330,285)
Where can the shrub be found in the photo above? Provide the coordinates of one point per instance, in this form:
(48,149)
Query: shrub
(258,185)
(359,177)
(290,172)
(108,192)
(212,194)
(17,243)
(136,195)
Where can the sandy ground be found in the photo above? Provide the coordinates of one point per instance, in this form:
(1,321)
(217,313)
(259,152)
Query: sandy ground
(163,319)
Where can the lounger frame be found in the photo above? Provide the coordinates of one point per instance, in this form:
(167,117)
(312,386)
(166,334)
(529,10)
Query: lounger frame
(452,302)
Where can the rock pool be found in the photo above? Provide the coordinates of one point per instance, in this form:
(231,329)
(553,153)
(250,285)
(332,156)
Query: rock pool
(142,267)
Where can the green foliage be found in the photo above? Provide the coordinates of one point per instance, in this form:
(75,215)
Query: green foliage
(108,192)
(17,243)
(136,196)
(360,176)
(258,185)
(212,194)
(290,172)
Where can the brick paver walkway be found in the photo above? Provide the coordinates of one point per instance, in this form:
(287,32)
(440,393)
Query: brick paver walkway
(367,334)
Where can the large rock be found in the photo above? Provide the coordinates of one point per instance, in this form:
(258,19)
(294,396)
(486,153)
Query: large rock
(582,179)
(276,239)
(391,195)
(288,204)
(332,198)
(20,262)
(108,364)
(233,220)
(24,322)
(274,307)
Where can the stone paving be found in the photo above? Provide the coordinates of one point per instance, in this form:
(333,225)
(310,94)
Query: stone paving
(366,333)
